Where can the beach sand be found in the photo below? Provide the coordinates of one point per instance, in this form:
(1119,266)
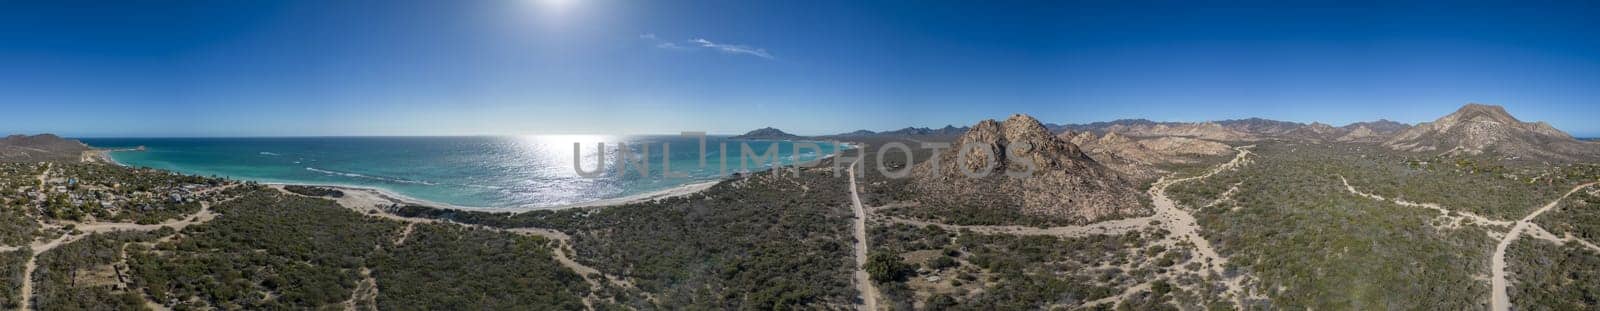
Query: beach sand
(372,199)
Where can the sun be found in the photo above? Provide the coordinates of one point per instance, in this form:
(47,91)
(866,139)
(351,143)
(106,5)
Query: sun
(555,5)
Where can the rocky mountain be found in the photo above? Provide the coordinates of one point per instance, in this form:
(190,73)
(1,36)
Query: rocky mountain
(1100,127)
(1243,130)
(1315,132)
(1135,158)
(916,131)
(1380,126)
(856,133)
(40,148)
(1259,126)
(1371,132)
(767,133)
(1477,129)
(1203,130)
(1064,183)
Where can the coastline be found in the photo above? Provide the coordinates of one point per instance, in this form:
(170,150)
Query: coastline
(364,197)
(102,156)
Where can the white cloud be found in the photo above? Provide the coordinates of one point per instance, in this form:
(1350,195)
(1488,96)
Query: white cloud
(707,44)
(733,48)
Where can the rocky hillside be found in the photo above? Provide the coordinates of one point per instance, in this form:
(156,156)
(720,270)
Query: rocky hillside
(1477,129)
(920,131)
(40,148)
(1204,130)
(1260,126)
(1138,158)
(1065,183)
(856,133)
(767,133)
(1372,132)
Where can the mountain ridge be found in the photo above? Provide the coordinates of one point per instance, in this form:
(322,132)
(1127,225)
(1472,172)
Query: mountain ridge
(1476,129)
(40,148)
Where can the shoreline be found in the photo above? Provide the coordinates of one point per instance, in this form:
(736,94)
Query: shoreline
(370,196)
(378,195)
(373,196)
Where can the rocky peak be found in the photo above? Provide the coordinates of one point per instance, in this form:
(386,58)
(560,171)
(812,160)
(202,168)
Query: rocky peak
(1043,149)
(1476,112)
(1478,128)
(1064,182)
(1113,139)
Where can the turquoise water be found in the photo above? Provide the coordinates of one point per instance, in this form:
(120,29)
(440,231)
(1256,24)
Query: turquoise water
(488,172)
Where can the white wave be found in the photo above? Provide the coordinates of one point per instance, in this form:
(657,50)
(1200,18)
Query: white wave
(379,178)
(268,154)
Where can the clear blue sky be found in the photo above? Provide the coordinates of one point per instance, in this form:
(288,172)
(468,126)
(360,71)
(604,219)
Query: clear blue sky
(450,67)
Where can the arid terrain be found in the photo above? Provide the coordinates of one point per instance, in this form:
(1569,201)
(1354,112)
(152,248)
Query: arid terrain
(1477,210)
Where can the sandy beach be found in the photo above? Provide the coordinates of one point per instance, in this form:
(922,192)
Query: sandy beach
(372,198)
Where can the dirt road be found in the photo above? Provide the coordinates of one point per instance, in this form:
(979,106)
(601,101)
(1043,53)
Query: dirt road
(1499,300)
(869,291)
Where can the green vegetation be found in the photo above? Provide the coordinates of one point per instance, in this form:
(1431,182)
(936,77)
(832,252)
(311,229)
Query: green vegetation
(887,268)
(85,191)
(1314,245)
(16,227)
(267,250)
(759,242)
(11,269)
(1579,215)
(314,191)
(1008,272)
(88,274)
(1546,276)
(447,266)
(1469,184)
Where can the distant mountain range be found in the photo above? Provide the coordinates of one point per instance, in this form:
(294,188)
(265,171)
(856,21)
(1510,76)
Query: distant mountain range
(1472,130)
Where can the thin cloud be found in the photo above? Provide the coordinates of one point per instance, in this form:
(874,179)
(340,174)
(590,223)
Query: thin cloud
(699,43)
(733,48)
(651,37)
(670,46)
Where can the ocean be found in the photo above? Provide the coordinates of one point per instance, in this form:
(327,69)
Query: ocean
(479,172)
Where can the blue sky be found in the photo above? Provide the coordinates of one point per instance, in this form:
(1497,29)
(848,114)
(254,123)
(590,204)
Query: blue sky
(365,67)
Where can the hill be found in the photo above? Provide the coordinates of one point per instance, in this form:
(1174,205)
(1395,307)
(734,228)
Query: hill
(1064,183)
(921,131)
(1260,126)
(1205,130)
(40,148)
(1372,132)
(1478,129)
(767,133)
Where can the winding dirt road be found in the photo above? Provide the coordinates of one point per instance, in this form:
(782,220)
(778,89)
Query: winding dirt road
(1446,212)
(204,215)
(1499,300)
(869,291)
(27,270)
(1183,225)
